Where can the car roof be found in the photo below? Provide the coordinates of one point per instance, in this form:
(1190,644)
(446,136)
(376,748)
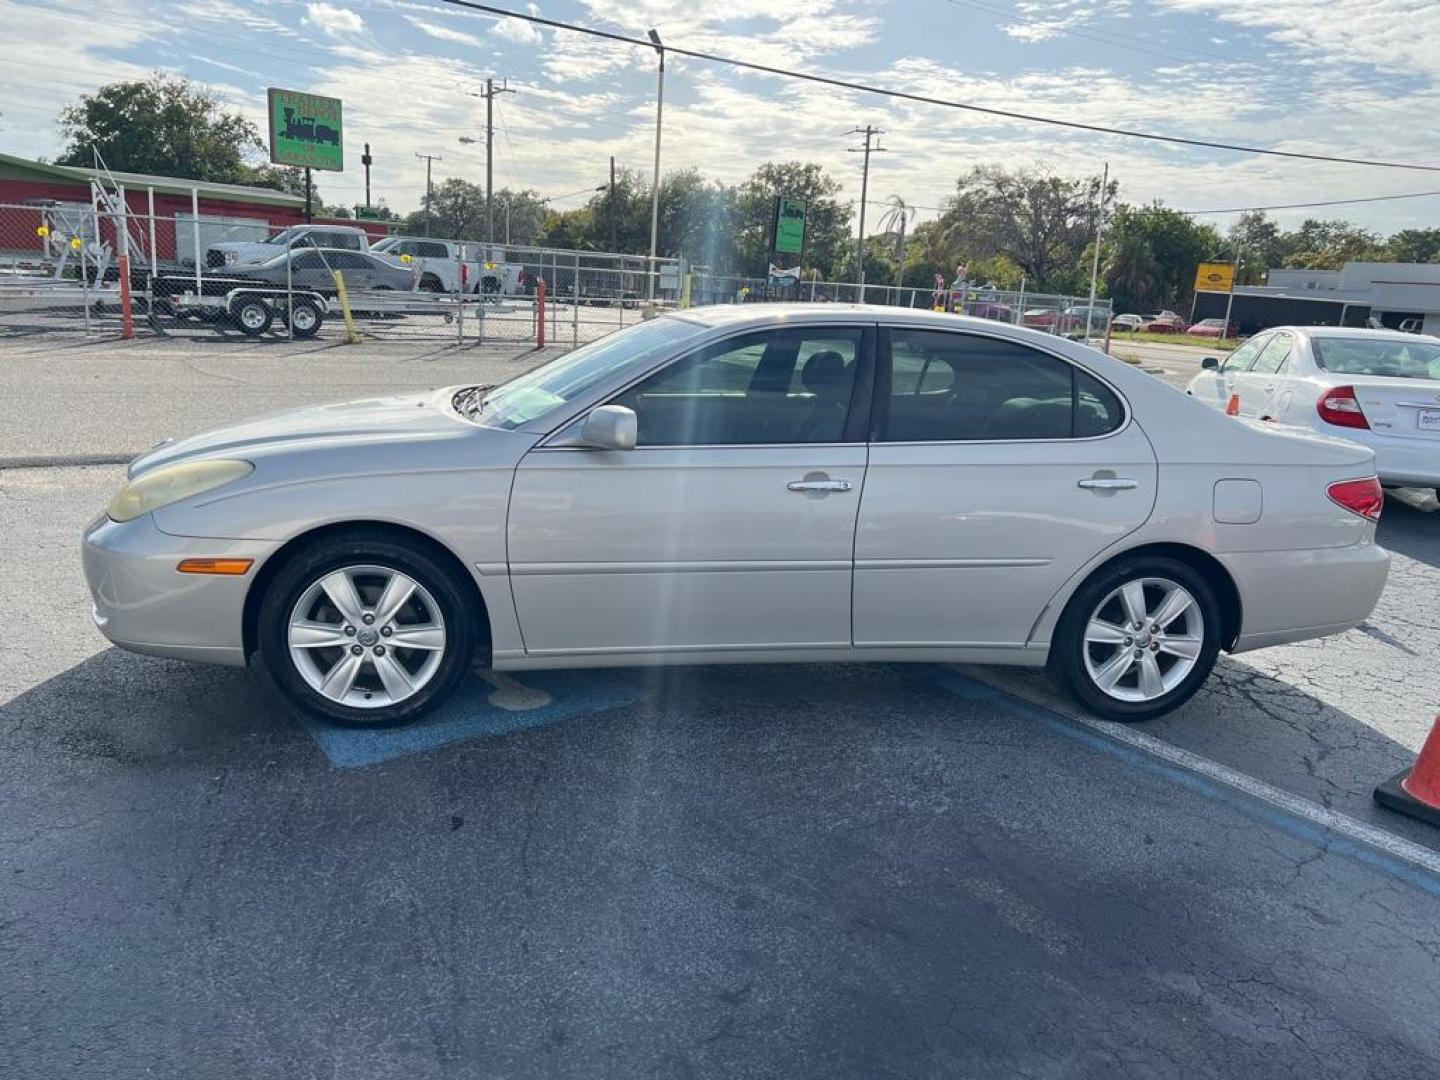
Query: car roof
(1359,332)
(740,316)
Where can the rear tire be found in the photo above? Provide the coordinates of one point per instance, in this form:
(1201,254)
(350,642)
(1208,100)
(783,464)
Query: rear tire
(304,318)
(326,659)
(1131,673)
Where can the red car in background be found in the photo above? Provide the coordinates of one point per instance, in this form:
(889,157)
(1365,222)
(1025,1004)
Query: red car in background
(1051,320)
(1216,328)
(1167,322)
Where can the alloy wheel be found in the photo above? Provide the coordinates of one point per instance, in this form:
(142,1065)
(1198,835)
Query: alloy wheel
(366,636)
(1143,639)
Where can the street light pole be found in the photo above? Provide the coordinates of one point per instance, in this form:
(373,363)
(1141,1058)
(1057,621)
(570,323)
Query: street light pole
(655,187)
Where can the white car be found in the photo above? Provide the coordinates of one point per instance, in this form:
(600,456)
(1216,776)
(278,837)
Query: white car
(744,484)
(1127,322)
(1380,388)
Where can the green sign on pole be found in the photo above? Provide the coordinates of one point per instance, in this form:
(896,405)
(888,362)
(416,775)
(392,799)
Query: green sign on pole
(789,225)
(370,213)
(305,130)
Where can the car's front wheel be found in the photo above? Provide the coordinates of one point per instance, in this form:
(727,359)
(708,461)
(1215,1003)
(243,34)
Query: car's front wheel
(1138,638)
(360,629)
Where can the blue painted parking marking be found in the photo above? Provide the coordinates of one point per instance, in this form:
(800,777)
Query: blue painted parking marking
(488,705)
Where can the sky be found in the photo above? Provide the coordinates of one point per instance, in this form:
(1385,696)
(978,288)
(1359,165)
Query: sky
(1356,78)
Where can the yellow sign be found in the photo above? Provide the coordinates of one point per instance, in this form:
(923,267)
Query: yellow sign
(1215,277)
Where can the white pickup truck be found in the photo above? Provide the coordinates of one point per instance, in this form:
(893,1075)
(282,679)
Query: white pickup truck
(449,266)
(254,252)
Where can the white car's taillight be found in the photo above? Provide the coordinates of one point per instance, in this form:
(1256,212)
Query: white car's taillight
(1364,497)
(1341,407)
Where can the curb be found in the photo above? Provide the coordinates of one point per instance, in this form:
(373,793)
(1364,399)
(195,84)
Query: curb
(61,461)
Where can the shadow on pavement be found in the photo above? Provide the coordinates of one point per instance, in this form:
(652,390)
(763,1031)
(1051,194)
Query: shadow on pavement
(1408,527)
(788,871)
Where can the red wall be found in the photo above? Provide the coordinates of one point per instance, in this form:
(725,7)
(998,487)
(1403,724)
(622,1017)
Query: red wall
(17,225)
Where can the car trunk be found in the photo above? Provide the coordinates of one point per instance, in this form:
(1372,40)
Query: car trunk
(1399,406)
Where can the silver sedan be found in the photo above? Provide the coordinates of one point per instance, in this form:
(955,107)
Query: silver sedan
(746,484)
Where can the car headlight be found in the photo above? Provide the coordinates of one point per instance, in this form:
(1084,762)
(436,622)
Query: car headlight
(171,483)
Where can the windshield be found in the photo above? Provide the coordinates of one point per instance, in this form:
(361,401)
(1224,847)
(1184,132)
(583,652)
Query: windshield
(386,244)
(1390,358)
(284,237)
(538,393)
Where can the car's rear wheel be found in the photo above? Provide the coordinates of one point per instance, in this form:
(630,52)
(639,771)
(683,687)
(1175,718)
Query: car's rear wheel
(1138,638)
(360,629)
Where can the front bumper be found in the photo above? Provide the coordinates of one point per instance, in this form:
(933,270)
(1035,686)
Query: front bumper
(142,603)
(1298,595)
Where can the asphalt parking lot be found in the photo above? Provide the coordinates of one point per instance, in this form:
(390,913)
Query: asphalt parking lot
(758,872)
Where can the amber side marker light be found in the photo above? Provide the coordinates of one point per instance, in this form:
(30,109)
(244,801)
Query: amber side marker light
(226,567)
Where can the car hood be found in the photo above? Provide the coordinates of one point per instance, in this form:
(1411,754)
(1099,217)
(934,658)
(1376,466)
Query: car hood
(403,418)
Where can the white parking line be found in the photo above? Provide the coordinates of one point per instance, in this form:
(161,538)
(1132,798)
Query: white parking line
(1395,846)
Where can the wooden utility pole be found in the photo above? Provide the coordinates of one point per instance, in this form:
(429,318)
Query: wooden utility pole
(490,91)
(611,201)
(428,159)
(869,132)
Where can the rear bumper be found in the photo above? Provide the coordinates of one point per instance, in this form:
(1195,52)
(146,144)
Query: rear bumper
(1405,462)
(1298,595)
(143,604)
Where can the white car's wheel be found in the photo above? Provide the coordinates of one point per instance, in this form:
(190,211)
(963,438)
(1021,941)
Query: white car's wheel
(1138,638)
(361,629)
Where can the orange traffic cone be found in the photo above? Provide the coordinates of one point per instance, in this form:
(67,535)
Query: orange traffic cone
(1232,407)
(1416,791)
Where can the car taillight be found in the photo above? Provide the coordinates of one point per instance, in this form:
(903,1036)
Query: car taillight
(1364,497)
(1341,407)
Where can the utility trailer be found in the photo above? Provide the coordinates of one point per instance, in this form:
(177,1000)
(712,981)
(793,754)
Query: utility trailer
(250,305)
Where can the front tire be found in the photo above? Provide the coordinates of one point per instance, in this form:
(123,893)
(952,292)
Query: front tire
(361,630)
(1138,638)
(253,316)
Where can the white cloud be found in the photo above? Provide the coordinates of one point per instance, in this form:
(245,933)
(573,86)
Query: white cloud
(518,30)
(338,22)
(441,32)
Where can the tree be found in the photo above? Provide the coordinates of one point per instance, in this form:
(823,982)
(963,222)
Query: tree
(1256,241)
(895,223)
(1414,245)
(697,218)
(1328,245)
(164,125)
(1038,221)
(457,212)
(1153,255)
(827,220)
(524,212)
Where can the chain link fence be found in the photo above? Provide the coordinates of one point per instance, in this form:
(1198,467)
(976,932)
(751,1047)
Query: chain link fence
(63,272)
(1067,316)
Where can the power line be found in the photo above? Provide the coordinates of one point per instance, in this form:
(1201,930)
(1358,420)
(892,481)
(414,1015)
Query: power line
(925,99)
(1307,205)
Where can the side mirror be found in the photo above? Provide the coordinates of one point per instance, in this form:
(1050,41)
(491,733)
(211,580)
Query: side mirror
(1209,364)
(610,427)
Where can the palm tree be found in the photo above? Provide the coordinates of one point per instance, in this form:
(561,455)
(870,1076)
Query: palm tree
(894,222)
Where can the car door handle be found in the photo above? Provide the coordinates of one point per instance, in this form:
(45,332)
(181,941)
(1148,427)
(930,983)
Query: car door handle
(1109,483)
(820,485)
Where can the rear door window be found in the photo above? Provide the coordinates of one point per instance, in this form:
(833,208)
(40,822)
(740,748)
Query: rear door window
(951,387)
